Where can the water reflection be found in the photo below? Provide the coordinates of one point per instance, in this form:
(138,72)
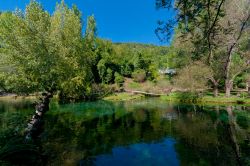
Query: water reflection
(162,153)
(147,132)
(95,131)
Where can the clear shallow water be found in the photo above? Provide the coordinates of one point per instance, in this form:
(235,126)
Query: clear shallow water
(146,132)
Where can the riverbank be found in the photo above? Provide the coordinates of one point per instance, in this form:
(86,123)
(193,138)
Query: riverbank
(206,99)
(178,97)
(123,97)
(15,97)
(183,98)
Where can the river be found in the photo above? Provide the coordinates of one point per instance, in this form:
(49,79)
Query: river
(147,132)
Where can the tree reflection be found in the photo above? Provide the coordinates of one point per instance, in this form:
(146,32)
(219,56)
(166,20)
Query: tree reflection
(76,133)
(202,133)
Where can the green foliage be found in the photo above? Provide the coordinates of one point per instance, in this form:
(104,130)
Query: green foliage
(127,69)
(193,77)
(74,90)
(119,79)
(109,76)
(124,97)
(45,51)
(126,58)
(139,75)
(139,62)
(215,32)
(17,83)
(102,69)
(153,72)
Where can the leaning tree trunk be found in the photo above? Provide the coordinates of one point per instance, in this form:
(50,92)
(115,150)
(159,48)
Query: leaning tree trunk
(35,125)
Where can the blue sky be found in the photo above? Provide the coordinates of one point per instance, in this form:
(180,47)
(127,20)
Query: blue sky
(117,20)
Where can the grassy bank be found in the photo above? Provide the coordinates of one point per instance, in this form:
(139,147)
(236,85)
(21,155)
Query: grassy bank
(205,99)
(123,97)
(14,97)
(177,97)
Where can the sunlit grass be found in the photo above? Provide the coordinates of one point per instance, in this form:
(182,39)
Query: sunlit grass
(124,97)
(208,98)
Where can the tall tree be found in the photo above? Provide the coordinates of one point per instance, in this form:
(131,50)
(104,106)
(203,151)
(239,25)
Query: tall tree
(214,27)
(25,46)
(90,47)
(45,52)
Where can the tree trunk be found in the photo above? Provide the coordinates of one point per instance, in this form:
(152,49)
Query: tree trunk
(215,91)
(35,125)
(227,74)
(248,86)
(228,84)
(228,87)
(215,86)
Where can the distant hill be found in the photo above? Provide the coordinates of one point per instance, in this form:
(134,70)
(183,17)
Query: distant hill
(140,45)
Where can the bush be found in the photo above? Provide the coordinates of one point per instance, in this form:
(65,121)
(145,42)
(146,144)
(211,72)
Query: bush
(139,75)
(154,74)
(99,91)
(109,76)
(243,94)
(193,77)
(242,85)
(119,79)
(74,89)
(127,69)
(190,97)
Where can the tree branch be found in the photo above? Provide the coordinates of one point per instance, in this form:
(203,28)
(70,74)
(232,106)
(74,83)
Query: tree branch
(211,28)
(227,67)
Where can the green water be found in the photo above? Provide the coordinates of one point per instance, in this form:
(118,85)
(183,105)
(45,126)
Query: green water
(147,132)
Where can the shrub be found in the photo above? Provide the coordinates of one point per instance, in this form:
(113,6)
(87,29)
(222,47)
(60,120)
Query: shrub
(109,76)
(74,89)
(101,69)
(119,79)
(193,77)
(242,85)
(126,69)
(154,74)
(139,75)
(99,91)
